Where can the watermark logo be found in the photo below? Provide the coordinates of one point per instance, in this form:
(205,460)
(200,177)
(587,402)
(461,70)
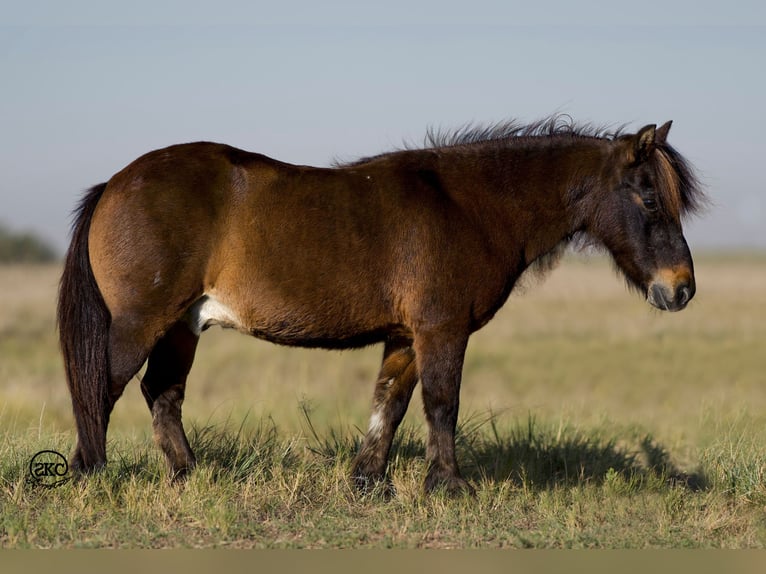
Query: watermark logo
(49,468)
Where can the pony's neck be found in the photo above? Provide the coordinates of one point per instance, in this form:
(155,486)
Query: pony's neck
(529,193)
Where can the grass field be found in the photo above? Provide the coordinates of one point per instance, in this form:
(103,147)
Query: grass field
(587,420)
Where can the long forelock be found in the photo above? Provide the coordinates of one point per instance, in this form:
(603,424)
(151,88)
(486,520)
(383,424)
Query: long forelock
(680,191)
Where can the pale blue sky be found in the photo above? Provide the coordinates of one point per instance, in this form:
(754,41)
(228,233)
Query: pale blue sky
(84,89)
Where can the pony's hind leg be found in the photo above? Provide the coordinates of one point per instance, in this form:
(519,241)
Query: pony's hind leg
(127,349)
(393,390)
(163,387)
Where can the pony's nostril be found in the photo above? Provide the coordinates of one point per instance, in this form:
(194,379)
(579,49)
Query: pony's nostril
(683,296)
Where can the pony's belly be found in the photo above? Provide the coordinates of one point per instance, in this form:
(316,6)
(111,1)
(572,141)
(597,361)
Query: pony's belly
(289,326)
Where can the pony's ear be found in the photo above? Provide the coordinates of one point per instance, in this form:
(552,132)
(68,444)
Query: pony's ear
(644,143)
(661,135)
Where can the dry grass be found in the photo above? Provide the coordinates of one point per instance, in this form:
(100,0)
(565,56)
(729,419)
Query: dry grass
(587,420)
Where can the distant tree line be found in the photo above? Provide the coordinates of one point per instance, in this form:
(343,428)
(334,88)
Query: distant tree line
(24,248)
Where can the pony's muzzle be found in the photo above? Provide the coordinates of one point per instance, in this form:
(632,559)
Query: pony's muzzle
(671,290)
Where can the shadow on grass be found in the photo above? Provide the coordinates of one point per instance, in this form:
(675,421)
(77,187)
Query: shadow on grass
(539,458)
(527,455)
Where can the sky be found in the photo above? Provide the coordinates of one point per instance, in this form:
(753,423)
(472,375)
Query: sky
(86,87)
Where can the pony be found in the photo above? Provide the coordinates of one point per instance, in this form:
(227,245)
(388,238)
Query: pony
(416,249)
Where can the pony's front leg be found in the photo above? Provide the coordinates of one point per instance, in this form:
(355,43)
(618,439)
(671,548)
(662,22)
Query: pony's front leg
(393,390)
(440,355)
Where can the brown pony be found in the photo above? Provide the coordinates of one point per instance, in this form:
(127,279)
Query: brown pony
(417,249)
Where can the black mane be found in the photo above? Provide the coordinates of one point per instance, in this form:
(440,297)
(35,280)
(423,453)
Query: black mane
(556,125)
(501,133)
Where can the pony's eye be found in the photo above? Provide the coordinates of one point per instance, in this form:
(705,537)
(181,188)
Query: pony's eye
(650,203)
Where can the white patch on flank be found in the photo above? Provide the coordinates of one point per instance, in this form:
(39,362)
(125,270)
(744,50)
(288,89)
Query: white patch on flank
(157,278)
(377,424)
(208,311)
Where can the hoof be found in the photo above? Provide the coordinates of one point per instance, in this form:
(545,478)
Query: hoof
(452,486)
(181,473)
(78,467)
(374,485)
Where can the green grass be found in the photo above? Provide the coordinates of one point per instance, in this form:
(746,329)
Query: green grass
(587,421)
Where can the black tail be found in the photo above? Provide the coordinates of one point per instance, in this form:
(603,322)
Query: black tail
(83,321)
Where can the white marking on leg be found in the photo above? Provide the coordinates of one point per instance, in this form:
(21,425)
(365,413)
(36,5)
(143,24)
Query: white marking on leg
(208,311)
(377,420)
(377,425)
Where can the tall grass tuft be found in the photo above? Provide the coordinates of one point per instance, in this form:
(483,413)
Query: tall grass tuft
(735,463)
(241,454)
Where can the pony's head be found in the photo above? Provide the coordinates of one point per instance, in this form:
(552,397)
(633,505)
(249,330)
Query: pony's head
(636,213)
